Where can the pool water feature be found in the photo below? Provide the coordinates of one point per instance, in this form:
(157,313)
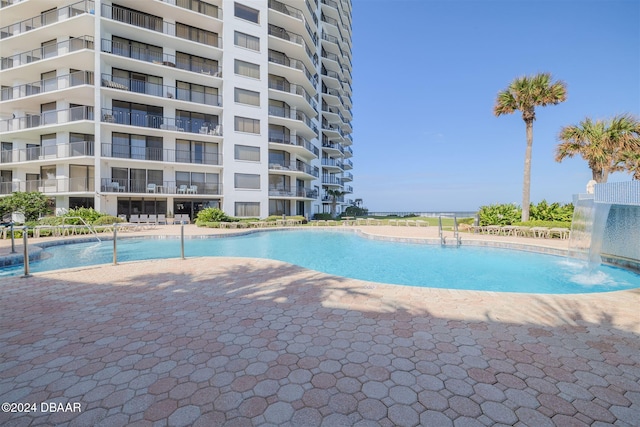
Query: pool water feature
(349,255)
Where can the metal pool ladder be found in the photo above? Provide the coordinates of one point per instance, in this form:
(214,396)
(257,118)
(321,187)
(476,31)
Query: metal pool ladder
(456,234)
(89,227)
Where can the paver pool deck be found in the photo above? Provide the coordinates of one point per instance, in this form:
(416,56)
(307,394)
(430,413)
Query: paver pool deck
(253,342)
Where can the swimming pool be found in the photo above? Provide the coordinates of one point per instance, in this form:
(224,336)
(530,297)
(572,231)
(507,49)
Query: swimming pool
(349,255)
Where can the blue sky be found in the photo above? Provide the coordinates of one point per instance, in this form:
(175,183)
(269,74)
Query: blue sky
(426,75)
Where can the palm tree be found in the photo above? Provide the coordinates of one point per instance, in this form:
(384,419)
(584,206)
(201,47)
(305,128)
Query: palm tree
(335,194)
(631,161)
(525,94)
(607,145)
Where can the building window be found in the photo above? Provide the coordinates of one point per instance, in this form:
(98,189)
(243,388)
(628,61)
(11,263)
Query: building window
(197,64)
(196,34)
(245,152)
(247,13)
(134,49)
(247,41)
(248,97)
(197,183)
(247,209)
(244,124)
(196,122)
(247,69)
(197,152)
(140,147)
(197,93)
(247,181)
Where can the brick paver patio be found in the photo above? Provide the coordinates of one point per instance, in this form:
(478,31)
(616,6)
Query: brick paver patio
(237,342)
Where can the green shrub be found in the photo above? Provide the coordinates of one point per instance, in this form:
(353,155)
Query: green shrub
(107,220)
(50,220)
(89,215)
(510,214)
(32,204)
(504,214)
(212,215)
(322,216)
(544,211)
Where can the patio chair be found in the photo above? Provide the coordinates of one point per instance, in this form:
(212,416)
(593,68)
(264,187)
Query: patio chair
(193,189)
(115,187)
(151,188)
(182,189)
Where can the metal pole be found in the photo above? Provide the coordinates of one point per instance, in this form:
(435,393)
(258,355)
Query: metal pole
(115,245)
(13,243)
(25,240)
(182,241)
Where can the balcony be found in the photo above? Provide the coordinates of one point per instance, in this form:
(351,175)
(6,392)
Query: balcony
(67,115)
(160,154)
(331,79)
(296,167)
(48,85)
(287,10)
(299,22)
(52,51)
(47,18)
(292,114)
(59,151)
(162,91)
(282,191)
(198,6)
(348,164)
(332,130)
(294,64)
(329,199)
(120,186)
(329,163)
(347,176)
(153,23)
(7,3)
(50,186)
(159,122)
(295,90)
(331,113)
(295,140)
(148,55)
(294,38)
(332,147)
(331,180)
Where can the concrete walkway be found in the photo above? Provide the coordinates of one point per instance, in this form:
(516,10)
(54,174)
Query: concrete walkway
(237,342)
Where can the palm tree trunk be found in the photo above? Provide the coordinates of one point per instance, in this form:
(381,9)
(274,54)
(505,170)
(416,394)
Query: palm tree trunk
(526,186)
(598,175)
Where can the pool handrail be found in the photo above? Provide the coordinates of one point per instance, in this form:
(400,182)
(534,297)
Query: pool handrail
(89,227)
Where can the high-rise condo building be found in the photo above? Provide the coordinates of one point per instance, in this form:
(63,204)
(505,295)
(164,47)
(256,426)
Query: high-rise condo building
(171,106)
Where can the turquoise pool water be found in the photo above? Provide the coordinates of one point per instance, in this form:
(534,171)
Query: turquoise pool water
(349,255)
